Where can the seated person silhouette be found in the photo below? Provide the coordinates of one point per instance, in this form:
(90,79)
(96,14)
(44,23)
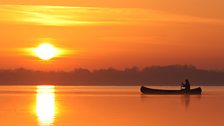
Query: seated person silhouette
(186,86)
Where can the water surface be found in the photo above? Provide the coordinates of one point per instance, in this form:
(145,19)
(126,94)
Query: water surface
(107,106)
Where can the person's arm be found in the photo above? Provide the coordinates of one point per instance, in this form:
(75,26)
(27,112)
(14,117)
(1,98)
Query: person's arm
(182,84)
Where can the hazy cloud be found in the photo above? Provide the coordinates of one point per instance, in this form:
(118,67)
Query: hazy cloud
(70,16)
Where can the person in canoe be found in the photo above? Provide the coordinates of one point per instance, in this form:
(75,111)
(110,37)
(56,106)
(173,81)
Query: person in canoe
(186,85)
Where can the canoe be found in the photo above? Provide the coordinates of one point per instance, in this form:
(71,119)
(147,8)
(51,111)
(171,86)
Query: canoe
(145,90)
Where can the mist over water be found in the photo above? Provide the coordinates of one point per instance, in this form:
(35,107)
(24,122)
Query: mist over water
(107,106)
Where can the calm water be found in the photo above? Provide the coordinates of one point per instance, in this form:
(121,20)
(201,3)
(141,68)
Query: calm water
(107,106)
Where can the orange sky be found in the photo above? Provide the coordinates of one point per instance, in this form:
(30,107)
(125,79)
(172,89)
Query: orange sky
(106,33)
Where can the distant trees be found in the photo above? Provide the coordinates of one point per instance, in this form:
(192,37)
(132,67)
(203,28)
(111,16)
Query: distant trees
(154,75)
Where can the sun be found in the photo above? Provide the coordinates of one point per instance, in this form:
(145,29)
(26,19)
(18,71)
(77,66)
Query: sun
(45,51)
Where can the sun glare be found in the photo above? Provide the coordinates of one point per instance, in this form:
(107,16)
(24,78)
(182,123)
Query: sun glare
(45,51)
(45,105)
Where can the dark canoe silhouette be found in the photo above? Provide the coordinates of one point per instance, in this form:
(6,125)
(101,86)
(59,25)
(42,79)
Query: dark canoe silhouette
(146,90)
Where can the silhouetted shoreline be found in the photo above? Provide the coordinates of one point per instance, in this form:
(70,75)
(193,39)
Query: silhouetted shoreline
(154,75)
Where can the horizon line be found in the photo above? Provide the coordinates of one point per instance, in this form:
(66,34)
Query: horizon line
(139,68)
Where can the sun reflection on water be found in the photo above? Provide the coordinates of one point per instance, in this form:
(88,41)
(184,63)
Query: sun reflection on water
(45,105)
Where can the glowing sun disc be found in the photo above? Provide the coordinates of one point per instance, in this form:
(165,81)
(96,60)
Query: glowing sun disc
(45,51)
